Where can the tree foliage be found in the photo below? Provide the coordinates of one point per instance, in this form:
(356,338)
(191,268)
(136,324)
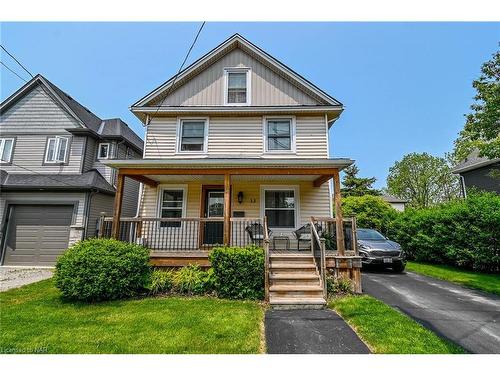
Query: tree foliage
(357,186)
(370,211)
(482,127)
(423,179)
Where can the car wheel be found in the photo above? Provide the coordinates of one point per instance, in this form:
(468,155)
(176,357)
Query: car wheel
(398,268)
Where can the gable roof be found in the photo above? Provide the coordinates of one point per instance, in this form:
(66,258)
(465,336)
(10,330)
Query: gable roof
(392,199)
(87,120)
(473,161)
(235,41)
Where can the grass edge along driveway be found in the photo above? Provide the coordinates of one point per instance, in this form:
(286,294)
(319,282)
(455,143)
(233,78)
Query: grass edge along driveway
(35,320)
(486,282)
(386,330)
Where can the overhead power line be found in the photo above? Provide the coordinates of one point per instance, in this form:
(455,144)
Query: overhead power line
(12,71)
(17,61)
(182,66)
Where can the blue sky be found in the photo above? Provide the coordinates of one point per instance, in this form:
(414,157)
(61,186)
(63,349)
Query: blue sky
(405,86)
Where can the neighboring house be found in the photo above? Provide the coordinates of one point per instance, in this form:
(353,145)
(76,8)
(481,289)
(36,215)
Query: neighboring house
(396,203)
(235,138)
(53,182)
(479,173)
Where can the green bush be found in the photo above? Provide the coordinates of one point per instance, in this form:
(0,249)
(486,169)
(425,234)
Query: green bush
(463,233)
(338,286)
(162,281)
(102,269)
(370,211)
(193,280)
(238,272)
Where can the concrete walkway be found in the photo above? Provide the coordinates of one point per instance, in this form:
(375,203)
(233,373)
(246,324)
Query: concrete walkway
(310,332)
(11,277)
(465,316)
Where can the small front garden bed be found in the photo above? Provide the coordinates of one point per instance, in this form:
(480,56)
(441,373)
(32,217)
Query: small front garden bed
(36,320)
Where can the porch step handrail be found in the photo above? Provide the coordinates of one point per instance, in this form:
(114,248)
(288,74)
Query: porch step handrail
(317,241)
(266,260)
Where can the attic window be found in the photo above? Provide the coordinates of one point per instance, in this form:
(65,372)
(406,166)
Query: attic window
(237,86)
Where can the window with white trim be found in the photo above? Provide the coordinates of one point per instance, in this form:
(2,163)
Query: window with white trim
(237,86)
(6,147)
(172,205)
(280,207)
(193,135)
(104,151)
(279,134)
(57,148)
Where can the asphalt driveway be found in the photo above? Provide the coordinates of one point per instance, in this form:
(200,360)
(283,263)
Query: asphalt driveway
(310,332)
(467,317)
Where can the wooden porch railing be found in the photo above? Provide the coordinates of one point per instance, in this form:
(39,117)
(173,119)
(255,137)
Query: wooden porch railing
(327,229)
(266,260)
(319,254)
(183,234)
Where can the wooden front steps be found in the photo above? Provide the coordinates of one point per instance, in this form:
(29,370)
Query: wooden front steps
(294,282)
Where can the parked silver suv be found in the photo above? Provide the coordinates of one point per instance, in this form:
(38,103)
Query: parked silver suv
(377,250)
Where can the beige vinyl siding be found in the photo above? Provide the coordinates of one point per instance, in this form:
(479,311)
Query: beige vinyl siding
(160,140)
(98,203)
(36,112)
(313,201)
(267,87)
(235,136)
(238,136)
(311,138)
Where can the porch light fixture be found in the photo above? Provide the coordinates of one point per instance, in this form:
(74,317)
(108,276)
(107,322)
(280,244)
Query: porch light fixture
(240,197)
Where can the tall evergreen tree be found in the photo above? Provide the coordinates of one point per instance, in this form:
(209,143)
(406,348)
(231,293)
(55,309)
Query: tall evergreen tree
(354,186)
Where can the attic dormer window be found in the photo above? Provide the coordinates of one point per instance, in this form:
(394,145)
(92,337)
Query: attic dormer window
(237,86)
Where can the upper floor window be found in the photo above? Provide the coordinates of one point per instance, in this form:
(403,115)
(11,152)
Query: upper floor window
(104,151)
(6,146)
(57,148)
(279,134)
(237,86)
(193,135)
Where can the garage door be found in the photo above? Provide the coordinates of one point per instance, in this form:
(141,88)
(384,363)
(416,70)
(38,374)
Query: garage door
(37,234)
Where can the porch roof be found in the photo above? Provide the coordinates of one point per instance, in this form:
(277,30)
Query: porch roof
(225,163)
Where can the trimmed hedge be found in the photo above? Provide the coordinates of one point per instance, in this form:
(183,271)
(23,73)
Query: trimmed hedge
(463,233)
(102,269)
(238,272)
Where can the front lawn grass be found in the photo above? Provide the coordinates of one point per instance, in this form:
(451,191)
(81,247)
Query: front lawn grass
(386,330)
(483,281)
(35,319)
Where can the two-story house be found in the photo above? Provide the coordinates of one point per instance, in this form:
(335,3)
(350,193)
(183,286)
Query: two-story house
(236,152)
(53,182)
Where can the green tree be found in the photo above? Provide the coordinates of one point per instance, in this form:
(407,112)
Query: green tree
(423,179)
(482,127)
(370,211)
(352,185)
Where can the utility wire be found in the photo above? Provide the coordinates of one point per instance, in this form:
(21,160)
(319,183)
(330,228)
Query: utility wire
(17,61)
(12,71)
(182,66)
(45,175)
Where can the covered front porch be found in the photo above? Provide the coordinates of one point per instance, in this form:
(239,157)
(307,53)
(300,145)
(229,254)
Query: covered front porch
(190,205)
